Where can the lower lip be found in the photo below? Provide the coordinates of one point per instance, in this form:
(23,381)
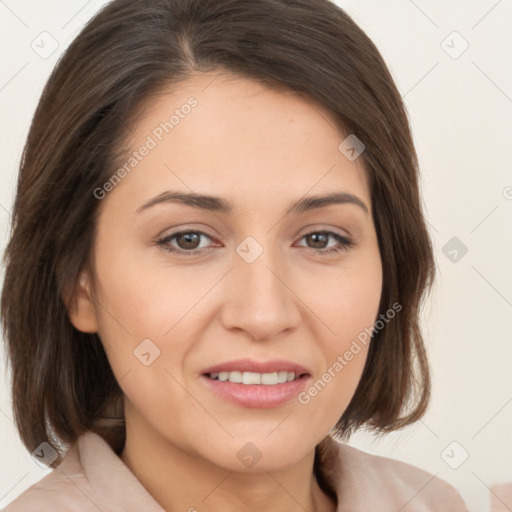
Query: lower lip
(257,396)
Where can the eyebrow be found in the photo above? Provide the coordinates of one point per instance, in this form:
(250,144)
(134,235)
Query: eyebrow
(222,206)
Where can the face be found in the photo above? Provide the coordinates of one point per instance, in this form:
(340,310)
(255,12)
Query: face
(244,287)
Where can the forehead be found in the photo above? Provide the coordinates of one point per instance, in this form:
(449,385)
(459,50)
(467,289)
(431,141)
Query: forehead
(240,137)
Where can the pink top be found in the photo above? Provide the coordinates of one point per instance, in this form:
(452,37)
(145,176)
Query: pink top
(92,477)
(501,497)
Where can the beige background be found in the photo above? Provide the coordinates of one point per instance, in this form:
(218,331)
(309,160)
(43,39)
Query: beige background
(460,107)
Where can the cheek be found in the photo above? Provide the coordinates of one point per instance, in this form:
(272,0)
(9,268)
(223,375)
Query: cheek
(329,394)
(349,307)
(139,300)
(347,300)
(350,312)
(142,312)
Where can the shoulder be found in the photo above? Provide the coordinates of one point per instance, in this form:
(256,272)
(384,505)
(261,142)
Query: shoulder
(365,481)
(91,477)
(65,489)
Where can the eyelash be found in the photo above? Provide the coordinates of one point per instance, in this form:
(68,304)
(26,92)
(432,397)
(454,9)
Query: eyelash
(345,243)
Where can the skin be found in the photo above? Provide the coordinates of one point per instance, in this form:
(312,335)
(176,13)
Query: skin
(261,149)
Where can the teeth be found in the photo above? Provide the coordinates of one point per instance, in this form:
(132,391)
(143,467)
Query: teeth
(268,379)
(235,377)
(250,378)
(282,377)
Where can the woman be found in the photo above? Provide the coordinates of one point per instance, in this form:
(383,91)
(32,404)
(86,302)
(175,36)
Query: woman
(216,266)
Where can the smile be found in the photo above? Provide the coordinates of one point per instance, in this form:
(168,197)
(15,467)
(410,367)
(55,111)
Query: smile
(267,379)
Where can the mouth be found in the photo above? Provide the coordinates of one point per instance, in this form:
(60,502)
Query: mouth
(251,378)
(253,384)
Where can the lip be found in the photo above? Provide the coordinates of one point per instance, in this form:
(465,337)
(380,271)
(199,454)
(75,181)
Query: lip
(257,396)
(249,365)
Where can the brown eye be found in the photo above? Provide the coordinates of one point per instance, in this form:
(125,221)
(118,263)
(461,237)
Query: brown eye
(188,240)
(318,242)
(185,242)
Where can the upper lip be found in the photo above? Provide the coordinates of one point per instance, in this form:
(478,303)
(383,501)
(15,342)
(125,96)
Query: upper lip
(249,365)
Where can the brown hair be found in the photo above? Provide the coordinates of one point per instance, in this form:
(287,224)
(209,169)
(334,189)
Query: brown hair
(62,382)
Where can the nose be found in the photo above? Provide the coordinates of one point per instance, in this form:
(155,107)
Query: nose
(259,299)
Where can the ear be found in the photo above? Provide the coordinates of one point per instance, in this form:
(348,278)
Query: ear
(80,304)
